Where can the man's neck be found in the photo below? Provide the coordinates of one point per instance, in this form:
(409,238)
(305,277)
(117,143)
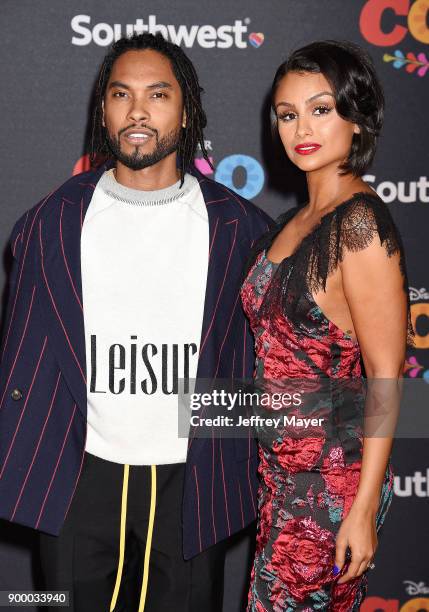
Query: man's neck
(159,176)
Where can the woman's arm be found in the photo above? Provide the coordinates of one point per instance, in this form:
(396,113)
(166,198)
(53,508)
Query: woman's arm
(373,287)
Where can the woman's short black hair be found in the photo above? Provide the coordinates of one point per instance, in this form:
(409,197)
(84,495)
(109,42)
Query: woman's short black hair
(358,92)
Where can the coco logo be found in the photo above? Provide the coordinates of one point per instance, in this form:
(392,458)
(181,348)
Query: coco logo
(378,604)
(420,314)
(224,172)
(226,168)
(374,13)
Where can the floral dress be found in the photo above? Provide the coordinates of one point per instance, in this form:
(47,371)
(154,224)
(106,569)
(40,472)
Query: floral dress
(308,483)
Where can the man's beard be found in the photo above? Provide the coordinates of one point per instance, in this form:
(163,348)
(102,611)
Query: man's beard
(136,160)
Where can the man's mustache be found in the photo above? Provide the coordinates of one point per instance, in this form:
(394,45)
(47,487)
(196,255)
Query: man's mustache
(138,127)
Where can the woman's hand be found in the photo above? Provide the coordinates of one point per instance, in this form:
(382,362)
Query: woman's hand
(358,532)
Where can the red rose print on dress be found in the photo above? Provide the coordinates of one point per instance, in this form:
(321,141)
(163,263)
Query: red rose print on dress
(341,480)
(303,556)
(296,454)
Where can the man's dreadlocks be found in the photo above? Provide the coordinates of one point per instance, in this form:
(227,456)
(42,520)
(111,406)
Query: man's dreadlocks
(184,71)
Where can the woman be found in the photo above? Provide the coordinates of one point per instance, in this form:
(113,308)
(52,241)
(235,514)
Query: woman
(324,292)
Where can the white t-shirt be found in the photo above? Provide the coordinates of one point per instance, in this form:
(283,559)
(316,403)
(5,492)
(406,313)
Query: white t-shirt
(144,270)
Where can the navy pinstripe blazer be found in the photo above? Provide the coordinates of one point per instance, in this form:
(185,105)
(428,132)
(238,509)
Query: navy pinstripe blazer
(43,393)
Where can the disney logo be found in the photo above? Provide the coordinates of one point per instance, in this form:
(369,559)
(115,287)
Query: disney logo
(415,588)
(418,294)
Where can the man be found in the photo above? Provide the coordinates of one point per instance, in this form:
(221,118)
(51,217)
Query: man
(125,280)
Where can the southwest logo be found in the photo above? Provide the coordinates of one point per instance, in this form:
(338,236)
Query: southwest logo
(256,39)
(206,36)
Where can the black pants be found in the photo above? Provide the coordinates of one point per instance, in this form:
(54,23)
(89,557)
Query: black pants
(121,516)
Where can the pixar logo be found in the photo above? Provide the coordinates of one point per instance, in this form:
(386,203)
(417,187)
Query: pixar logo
(224,172)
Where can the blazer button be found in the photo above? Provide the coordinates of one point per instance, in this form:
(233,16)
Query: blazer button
(16,394)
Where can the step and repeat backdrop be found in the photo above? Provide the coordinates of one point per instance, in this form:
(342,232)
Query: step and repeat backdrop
(51,52)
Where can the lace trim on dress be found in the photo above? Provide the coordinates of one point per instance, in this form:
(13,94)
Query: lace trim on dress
(351,226)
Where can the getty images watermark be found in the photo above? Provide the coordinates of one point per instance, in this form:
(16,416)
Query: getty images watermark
(239,400)
(345,409)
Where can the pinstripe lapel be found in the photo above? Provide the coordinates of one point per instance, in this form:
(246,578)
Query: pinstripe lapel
(221,291)
(60,282)
(223,241)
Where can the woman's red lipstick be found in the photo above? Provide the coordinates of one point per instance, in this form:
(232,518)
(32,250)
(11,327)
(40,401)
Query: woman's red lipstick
(306,148)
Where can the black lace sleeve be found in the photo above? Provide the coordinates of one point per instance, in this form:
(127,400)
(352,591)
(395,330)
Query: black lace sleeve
(351,226)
